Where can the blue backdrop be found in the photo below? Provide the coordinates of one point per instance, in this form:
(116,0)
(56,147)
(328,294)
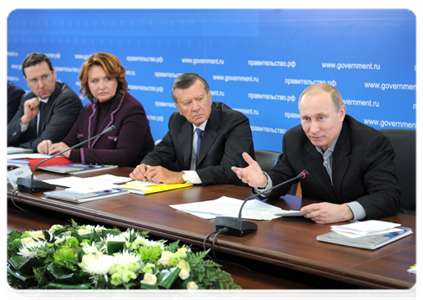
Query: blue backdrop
(257,61)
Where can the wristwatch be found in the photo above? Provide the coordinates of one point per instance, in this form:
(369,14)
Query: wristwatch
(184,178)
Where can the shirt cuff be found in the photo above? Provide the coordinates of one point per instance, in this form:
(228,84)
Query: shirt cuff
(357,209)
(192,177)
(24,127)
(268,186)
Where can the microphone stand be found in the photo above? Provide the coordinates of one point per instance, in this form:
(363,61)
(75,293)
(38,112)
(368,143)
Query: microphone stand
(31,185)
(240,227)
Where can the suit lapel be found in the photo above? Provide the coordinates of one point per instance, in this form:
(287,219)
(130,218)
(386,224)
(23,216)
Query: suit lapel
(314,164)
(47,108)
(209,134)
(185,138)
(341,161)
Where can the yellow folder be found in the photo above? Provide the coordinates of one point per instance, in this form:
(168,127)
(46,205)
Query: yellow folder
(150,189)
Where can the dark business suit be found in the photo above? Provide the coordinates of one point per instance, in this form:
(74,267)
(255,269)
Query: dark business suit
(14,95)
(226,136)
(362,169)
(60,113)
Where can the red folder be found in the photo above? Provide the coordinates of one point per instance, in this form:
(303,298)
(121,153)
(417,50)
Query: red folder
(60,160)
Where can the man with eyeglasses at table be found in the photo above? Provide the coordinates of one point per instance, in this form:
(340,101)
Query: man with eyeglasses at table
(48,111)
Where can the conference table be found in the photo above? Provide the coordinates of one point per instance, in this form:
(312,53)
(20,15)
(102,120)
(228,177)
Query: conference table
(282,254)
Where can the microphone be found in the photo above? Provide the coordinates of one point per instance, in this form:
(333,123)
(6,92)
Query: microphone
(31,185)
(240,227)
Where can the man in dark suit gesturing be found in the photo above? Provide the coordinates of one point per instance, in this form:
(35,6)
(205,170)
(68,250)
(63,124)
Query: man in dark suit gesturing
(48,111)
(204,140)
(350,165)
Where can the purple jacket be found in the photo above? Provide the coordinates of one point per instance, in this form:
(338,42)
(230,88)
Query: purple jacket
(126,146)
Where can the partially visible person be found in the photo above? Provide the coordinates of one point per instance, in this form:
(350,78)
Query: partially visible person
(223,134)
(48,111)
(350,165)
(14,95)
(103,82)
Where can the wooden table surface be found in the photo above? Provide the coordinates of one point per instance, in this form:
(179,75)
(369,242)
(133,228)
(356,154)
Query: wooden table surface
(288,243)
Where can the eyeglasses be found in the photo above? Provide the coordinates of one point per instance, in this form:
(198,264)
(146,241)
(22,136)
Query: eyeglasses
(34,81)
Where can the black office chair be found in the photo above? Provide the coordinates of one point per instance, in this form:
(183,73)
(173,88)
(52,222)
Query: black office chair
(404,143)
(267,159)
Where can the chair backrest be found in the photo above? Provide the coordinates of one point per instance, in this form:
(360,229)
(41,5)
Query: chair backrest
(404,143)
(267,159)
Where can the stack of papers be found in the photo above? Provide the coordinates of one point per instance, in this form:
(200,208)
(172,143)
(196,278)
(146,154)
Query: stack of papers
(105,181)
(14,150)
(21,159)
(366,228)
(412,269)
(229,207)
(80,195)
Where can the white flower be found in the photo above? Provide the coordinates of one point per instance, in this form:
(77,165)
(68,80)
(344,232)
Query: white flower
(54,228)
(63,237)
(192,286)
(184,274)
(96,228)
(89,248)
(37,234)
(88,257)
(99,266)
(182,250)
(26,241)
(84,231)
(149,279)
(165,259)
(126,258)
(29,249)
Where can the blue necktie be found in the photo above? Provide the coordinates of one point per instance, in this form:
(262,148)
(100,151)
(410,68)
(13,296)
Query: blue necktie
(199,132)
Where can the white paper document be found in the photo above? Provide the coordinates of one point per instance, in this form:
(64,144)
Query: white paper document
(412,269)
(226,206)
(291,213)
(27,155)
(105,181)
(15,150)
(365,227)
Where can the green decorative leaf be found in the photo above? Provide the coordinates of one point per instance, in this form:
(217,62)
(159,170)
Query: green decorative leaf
(55,285)
(19,275)
(23,264)
(18,261)
(167,277)
(46,235)
(59,273)
(113,247)
(151,290)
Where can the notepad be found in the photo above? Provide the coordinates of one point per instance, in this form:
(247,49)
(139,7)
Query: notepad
(80,196)
(143,189)
(75,168)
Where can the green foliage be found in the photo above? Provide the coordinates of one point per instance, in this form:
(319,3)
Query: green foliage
(71,256)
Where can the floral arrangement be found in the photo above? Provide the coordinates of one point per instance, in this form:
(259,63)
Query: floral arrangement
(93,257)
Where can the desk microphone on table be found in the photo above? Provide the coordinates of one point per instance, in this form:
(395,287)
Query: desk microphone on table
(240,227)
(31,185)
